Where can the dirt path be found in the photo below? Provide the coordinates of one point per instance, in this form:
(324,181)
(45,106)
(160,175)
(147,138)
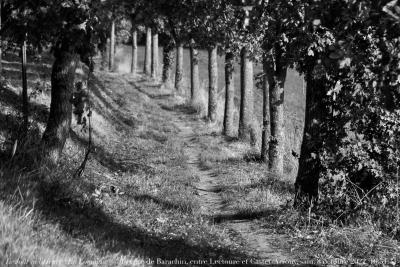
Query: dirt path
(258,243)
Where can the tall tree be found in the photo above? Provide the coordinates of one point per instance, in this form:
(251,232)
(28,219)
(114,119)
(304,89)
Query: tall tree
(229,129)
(246,119)
(179,69)
(208,29)
(239,40)
(281,25)
(351,105)
(147,55)
(62,80)
(134,50)
(132,11)
(194,74)
(1,40)
(68,28)
(213,83)
(168,59)
(277,77)
(154,58)
(232,41)
(176,15)
(266,116)
(111,62)
(25,101)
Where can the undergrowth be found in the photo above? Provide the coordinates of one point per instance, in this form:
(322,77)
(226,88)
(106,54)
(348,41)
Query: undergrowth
(250,191)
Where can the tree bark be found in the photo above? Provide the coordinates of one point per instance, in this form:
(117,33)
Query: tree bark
(195,95)
(103,48)
(155,60)
(307,177)
(229,129)
(277,78)
(179,69)
(1,41)
(111,61)
(134,52)
(147,55)
(213,83)
(246,120)
(25,103)
(266,115)
(168,59)
(62,87)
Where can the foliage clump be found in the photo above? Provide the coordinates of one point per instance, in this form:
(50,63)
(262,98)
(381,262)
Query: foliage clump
(356,146)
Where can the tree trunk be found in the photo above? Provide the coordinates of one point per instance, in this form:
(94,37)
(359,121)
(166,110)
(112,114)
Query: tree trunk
(246,120)
(307,178)
(154,62)
(276,94)
(134,52)
(147,55)
(194,75)
(62,87)
(229,129)
(103,47)
(266,115)
(168,59)
(1,41)
(179,69)
(112,48)
(213,83)
(25,103)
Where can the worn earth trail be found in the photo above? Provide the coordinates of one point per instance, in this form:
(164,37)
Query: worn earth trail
(258,243)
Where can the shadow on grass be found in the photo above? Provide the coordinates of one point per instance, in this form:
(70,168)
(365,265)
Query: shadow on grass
(152,93)
(182,108)
(270,182)
(89,220)
(165,204)
(113,112)
(109,160)
(9,128)
(38,112)
(231,139)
